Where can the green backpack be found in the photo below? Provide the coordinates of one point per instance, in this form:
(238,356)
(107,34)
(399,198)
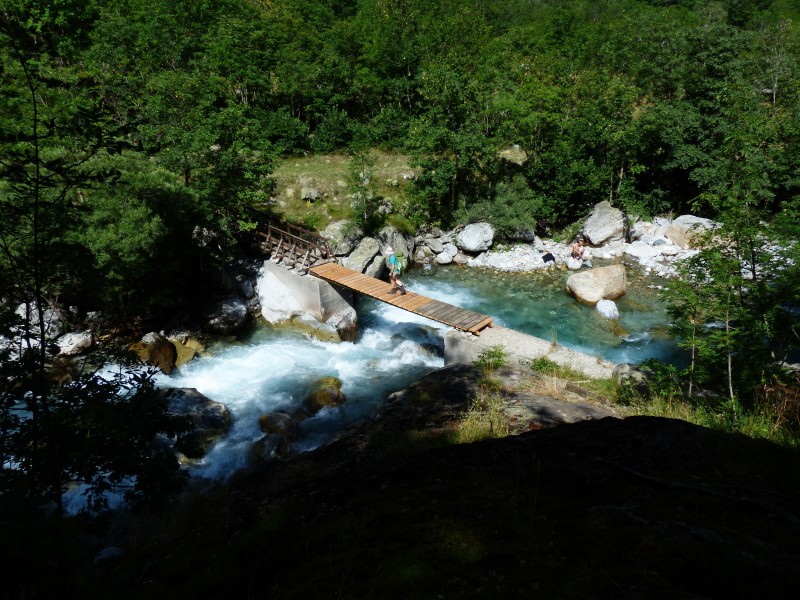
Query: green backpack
(402,262)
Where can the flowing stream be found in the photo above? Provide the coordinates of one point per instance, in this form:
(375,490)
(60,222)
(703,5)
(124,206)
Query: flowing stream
(271,369)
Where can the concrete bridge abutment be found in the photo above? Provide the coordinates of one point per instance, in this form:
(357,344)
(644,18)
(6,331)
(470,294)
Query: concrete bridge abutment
(522,349)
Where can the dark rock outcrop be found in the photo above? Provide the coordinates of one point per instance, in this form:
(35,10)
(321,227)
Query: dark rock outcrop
(211,420)
(268,448)
(638,508)
(229,317)
(281,424)
(156,350)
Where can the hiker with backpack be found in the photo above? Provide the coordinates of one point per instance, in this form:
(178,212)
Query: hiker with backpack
(395,269)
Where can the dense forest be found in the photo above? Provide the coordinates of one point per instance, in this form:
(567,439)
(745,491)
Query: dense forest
(133,125)
(138,139)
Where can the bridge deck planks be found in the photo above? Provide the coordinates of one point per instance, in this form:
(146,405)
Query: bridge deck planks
(436,310)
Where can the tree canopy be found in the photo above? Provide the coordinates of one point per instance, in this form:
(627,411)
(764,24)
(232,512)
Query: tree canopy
(655,106)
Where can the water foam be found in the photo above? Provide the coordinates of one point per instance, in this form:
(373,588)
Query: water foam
(274,369)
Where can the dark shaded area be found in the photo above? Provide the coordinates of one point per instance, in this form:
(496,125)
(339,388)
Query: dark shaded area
(635,508)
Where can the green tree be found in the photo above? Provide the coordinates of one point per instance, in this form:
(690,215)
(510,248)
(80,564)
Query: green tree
(56,138)
(733,309)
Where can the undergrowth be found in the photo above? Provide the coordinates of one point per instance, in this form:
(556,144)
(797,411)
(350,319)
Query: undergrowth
(728,416)
(553,378)
(485,417)
(773,416)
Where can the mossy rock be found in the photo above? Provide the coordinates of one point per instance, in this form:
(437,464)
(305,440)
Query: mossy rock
(187,347)
(156,350)
(280,424)
(326,391)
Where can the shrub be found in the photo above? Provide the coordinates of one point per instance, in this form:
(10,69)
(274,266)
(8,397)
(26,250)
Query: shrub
(491,359)
(288,133)
(332,133)
(485,419)
(401,223)
(514,208)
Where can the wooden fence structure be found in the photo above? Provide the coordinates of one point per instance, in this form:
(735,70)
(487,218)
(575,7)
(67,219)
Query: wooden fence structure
(294,247)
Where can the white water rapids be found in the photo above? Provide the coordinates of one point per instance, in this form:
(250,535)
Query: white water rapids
(273,369)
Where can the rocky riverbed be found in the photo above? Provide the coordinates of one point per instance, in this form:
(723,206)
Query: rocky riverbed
(657,245)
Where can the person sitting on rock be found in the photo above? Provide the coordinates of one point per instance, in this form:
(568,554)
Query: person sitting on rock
(578,248)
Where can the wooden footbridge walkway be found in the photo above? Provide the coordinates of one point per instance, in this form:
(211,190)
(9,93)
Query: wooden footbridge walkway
(454,316)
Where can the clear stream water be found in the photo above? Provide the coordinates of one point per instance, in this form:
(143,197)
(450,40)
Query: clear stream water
(271,369)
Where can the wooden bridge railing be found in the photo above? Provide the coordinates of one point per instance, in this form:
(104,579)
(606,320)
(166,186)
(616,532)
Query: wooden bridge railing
(293,246)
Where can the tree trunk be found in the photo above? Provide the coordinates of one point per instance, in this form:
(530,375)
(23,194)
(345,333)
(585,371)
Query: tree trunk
(728,345)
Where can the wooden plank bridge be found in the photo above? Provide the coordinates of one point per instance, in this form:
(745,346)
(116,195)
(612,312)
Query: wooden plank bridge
(454,316)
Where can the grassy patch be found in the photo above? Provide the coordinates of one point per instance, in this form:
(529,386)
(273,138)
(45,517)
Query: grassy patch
(728,416)
(485,419)
(773,416)
(490,360)
(554,380)
(550,385)
(330,174)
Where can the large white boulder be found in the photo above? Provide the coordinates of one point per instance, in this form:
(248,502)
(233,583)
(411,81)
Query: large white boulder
(435,244)
(476,237)
(376,268)
(278,302)
(642,250)
(608,309)
(605,224)
(648,231)
(342,237)
(53,319)
(450,249)
(75,342)
(400,242)
(518,258)
(574,264)
(597,284)
(443,259)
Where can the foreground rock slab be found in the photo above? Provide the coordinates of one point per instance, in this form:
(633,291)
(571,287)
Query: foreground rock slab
(614,508)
